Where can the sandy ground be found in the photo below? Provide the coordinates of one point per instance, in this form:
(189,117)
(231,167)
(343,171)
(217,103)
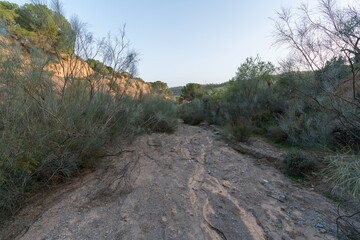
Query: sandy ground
(186,185)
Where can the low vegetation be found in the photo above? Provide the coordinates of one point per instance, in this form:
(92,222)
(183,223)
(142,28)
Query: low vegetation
(298,164)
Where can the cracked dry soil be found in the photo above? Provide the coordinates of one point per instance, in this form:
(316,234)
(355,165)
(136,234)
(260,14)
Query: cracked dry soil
(186,185)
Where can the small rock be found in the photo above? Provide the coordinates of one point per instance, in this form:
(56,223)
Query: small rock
(282,196)
(322,230)
(318,225)
(194,188)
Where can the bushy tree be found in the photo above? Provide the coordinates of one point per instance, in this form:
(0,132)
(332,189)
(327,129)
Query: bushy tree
(7,12)
(245,91)
(254,69)
(44,27)
(36,23)
(191,91)
(160,87)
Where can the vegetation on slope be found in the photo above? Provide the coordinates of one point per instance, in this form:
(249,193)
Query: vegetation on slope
(37,23)
(160,87)
(50,131)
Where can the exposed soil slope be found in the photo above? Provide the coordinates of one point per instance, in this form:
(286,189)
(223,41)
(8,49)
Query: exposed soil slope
(78,68)
(187,185)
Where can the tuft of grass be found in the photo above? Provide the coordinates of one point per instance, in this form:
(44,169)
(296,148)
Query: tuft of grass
(344,171)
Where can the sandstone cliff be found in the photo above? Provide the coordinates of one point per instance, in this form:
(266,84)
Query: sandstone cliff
(77,68)
(74,67)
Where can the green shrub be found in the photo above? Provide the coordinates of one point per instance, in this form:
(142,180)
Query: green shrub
(160,88)
(211,108)
(306,125)
(193,112)
(44,27)
(297,164)
(241,131)
(158,114)
(191,92)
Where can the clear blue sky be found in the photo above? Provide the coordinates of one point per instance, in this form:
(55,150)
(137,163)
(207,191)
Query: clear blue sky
(182,41)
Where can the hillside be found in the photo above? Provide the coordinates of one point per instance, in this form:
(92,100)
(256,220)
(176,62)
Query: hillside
(72,66)
(120,83)
(35,29)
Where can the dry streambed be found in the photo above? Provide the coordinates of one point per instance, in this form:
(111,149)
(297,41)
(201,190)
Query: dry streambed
(187,185)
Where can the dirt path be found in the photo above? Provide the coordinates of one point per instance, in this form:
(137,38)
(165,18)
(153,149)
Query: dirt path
(187,185)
